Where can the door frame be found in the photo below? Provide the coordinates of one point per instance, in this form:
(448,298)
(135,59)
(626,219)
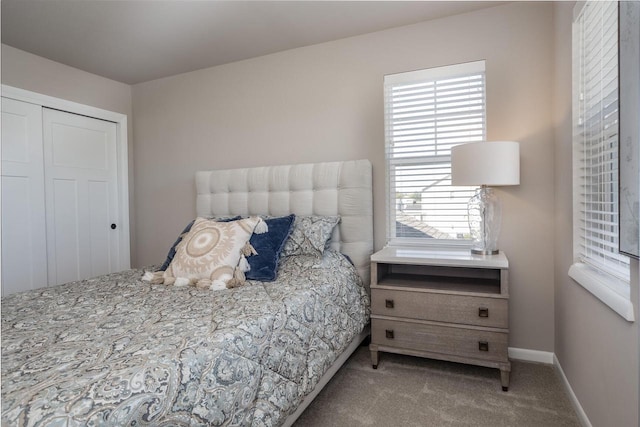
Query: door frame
(122,148)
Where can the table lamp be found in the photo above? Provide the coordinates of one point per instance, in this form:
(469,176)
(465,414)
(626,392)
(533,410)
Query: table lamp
(487,164)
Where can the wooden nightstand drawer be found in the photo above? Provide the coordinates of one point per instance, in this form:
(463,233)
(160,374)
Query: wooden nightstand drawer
(445,340)
(468,310)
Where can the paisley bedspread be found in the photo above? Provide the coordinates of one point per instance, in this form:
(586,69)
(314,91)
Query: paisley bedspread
(116,351)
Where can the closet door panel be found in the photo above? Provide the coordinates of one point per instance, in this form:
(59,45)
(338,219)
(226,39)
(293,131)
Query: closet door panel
(101,262)
(66,258)
(24,256)
(81,186)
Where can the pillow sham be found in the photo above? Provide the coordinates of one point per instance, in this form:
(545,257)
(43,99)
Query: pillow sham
(269,246)
(211,255)
(172,250)
(310,235)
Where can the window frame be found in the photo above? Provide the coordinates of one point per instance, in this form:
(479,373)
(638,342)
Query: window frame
(424,75)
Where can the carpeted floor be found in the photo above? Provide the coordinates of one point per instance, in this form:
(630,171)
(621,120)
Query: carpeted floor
(410,391)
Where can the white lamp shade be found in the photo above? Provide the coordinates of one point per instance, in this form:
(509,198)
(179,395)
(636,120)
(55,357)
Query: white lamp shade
(492,163)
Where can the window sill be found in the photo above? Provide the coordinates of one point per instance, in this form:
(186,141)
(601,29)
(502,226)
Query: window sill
(603,288)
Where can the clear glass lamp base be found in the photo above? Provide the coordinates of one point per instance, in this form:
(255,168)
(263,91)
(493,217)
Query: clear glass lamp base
(485,216)
(485,251)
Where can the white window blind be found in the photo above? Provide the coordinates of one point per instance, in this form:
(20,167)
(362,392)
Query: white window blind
(595,106)
(426,113)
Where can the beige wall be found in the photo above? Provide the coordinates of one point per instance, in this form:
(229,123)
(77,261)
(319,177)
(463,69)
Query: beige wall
(24,70)
(597,349)
(324,102)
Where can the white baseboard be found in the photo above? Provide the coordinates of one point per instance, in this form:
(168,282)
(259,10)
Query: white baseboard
(582,416)
(549,358)
(527,355)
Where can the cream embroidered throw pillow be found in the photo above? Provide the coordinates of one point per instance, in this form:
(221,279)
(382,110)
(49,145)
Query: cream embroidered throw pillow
(212,254)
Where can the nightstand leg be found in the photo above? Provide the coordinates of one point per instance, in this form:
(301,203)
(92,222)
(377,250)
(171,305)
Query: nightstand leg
(374,355)
(504,379)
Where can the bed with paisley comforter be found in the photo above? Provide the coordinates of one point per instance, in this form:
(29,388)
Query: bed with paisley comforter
(115,350)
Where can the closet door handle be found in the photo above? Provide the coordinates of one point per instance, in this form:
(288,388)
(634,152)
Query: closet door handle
(113,226)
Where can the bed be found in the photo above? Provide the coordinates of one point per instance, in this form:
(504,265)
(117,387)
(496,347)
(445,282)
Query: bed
(115,350)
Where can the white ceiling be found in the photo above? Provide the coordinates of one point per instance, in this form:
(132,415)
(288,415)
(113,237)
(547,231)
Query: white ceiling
(141,40)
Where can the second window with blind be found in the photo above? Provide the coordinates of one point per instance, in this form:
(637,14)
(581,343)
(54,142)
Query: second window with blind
(426,113)
(598,265)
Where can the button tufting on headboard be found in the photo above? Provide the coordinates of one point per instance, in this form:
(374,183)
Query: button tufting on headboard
(330,188)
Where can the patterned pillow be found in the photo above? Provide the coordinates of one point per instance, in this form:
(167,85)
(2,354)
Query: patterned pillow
(269,246)
(210,254)
(172,250)
(310,235)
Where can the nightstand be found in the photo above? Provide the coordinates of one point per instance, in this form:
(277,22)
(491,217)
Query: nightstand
(442,304)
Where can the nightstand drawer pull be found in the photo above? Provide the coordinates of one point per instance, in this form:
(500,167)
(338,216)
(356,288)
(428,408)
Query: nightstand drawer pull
(483,346)
(483,312)
(388,303)
(389,333)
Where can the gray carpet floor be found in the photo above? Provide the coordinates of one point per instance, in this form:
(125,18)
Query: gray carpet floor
(410,391)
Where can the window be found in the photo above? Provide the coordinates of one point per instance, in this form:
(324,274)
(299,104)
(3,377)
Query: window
(426,113)
(599,267)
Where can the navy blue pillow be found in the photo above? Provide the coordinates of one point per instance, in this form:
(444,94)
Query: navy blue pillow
(264,266)
(172,251)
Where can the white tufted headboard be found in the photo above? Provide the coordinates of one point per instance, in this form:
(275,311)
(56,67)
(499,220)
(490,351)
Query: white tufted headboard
(332,188)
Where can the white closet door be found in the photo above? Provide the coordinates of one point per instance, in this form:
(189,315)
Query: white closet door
(24,246)
(81,196)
